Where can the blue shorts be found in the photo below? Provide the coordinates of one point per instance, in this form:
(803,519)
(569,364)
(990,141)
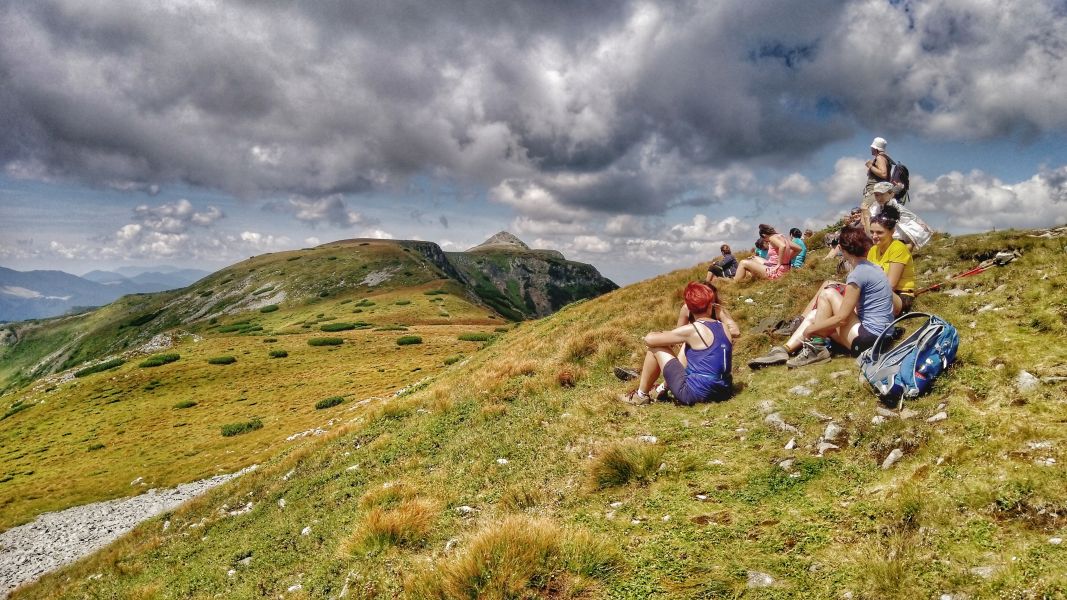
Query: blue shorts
(678,382)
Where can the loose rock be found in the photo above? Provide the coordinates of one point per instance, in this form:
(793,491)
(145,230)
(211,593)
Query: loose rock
(800,390)
(1026,382)
(775,420)
(941,416)
(766,407)
(792,444)
(892,459)
(825,447)
(833,432)
(648,439)
(759,580)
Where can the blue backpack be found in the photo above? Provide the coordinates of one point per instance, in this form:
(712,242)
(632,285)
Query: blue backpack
(909,369)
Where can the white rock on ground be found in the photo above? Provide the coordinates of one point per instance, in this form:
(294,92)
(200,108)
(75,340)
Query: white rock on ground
(800,390)
(1026,381)
(775,420)
(59,538)
(941,416)
(892,459)
(759,580)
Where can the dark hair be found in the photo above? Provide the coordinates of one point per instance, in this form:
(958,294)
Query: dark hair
(725,248)
(888,218)
(761,244)
(794,232)
(855,241)
(766,230)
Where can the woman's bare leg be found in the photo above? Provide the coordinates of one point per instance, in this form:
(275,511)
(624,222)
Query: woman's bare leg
(650,371)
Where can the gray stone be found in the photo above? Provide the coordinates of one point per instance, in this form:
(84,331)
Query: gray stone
(908,413)
(825,447)
(766,407)
(833,432)
(983,572)
(648,439)
(759,580)
(878,420)
(892,459)
(786,464)
(800,390)
(775,420)
(792,444)
(818,415)
(885,412)
(941,416)
(955,292)
(1026,382)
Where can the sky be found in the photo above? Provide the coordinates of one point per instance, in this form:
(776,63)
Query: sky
(635,136)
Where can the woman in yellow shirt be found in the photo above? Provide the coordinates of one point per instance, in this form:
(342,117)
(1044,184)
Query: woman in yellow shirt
(894,258)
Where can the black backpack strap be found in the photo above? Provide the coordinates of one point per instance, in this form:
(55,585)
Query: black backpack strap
(887,333)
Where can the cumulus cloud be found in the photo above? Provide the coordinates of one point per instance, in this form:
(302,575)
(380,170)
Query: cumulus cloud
(176,217)
(330,210)
(563,108)
(977,201)
(704,229)
(845,185)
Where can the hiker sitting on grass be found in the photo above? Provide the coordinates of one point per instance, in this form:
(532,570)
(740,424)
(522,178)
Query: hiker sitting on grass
(760,248)
(701,370)
(725,266)
(798,239)
(779,252)
(853,318)
(910,229)
(894,258)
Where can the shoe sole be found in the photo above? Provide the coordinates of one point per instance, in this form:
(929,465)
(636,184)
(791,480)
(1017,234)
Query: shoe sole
(758,363)
(817,361)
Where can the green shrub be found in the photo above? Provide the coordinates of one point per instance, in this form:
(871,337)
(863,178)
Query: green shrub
(328,402)
(95,447)
(327,341)
(292,258)
(339,326)
(232,429)
(391,328)
(185,404)
(344,301)
(269,308)
(451,360)
(269,340)
(502,330)
(104,366)
(278,354)
(475,337)
(407,340)
(435,292)
(221,360)
(14,410)
(206,293)
(159,360)
(402,302)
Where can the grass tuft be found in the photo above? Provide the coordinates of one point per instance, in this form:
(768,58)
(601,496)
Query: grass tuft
(404,524)
(159,360)
(221,360)
(278,354)
(624,462)
(329,402)
(475,337)
(185,404)
(327,341)
(107,365)
(407,340)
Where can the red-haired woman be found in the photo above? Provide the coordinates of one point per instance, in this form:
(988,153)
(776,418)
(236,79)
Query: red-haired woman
(701,370)
(780,251)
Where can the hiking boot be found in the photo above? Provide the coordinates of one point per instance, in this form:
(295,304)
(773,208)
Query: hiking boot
(810,354)
(787,328)
(636,398)
(660,393)
(626,373)
(776,356)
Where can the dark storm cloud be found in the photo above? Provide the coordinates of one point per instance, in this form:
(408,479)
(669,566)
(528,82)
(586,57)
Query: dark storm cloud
(583,106)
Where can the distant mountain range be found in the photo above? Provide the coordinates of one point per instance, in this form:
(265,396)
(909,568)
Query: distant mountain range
(39,294)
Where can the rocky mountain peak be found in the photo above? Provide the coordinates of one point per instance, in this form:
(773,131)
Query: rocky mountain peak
(502,239)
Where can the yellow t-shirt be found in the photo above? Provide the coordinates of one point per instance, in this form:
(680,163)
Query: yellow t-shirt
(896,253)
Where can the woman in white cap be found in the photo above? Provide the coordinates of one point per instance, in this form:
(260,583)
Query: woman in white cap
(878,168)
(910,229)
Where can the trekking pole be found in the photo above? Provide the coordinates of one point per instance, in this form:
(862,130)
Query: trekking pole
(973,271)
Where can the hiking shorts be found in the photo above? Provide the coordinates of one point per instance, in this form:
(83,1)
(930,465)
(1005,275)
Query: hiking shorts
(776,271)
(864,339)
(677,381)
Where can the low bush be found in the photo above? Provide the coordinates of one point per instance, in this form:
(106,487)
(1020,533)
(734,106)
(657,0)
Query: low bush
(329,402)
(14,410)
(330,327)
(97,368)
(407,340)
(451,360)
(185,404)
(402,302)
(269,340)
(475,337)
(95,447)
(278,354)
(269,308)
(502,329)
(232,429)
(435,292)
(326,341)
(159,360)
(391,328)
(221,360)
(364,302)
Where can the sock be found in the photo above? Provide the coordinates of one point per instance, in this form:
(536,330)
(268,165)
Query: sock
(642,394)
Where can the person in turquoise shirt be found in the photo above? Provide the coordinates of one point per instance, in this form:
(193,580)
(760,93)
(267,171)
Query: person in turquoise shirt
(798,239)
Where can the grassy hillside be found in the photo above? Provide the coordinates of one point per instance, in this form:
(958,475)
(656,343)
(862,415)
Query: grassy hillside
(518,474)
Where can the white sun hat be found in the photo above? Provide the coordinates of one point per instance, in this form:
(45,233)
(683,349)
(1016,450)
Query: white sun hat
(879,144)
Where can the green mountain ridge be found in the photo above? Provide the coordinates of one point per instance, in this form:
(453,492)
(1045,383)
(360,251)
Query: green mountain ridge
(515,472)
